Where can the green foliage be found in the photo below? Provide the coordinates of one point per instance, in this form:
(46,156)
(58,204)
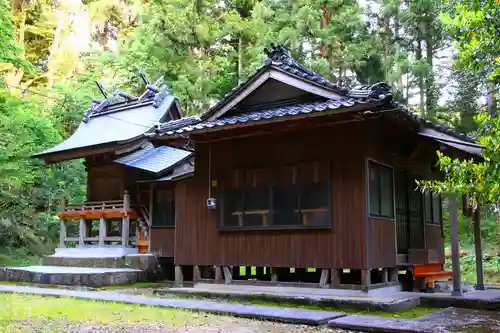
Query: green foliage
(475,29)
(477,179)
(51,52)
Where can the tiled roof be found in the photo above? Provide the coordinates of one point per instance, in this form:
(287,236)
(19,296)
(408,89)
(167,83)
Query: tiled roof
(279,58)
(313,107)
(155,160)
(439,128)
(175,124)
(267,114)
(184,169)
(114,127)
(121,100)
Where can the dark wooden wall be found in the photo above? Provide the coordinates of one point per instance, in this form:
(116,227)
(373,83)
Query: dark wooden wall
(389,143)
(435,243)
(199,242)
(382,243)
(162,241)
(105,182)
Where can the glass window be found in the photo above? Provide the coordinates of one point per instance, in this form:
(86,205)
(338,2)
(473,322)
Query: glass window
(381,190)
(436,208)
(296,195)
(428,207)
(386,192)
(374,186)
(163,208)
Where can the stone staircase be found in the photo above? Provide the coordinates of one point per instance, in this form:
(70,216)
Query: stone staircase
(92,267)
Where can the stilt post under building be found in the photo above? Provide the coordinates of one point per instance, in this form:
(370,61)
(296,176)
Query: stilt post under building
(455,246)
(478,250)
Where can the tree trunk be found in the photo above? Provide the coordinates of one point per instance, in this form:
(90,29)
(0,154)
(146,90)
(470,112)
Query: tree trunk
(429,78)
(13,77)
(55,46)
(324,25)
(388,43)
(240,58)
(399,84)
(418,57)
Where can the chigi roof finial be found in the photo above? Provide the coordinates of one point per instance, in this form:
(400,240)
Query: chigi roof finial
(278,53)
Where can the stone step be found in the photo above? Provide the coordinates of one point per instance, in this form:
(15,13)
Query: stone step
(76,276)
(145,262)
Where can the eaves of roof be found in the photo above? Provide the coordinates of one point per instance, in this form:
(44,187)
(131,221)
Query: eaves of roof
(293,68)
(273,113)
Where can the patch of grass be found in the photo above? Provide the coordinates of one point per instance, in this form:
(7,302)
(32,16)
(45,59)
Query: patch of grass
(137,285)
(413,313)
(17,258)
(19,307)
(491,267)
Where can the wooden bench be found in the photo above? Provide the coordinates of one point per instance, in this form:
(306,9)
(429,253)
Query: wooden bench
(430,273)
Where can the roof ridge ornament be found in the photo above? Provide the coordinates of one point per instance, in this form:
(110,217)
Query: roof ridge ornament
(160,96)
(378,91)
(280,55)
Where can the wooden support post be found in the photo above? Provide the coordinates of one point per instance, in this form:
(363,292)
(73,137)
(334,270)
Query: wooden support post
(125,230)
(393,274)
(335,278)
(259,273)
(324,277)
(218,274)
(365,279)
(385,275)
(62,234)
(274,274)
(227,275)
(479,250)
(179,278)
(82,232)
(63,230)
(455,246)
(301,274)
(102,231)
(196,274)
(150,222)
(126,220)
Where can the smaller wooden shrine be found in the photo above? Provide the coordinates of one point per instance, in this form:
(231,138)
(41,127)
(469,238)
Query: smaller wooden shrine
(122,167)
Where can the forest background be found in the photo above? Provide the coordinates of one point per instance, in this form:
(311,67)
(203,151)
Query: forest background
(440,56)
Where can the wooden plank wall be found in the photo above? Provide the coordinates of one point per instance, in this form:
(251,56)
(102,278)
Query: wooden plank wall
(382,243)
(162,241)
(199,242)
(105,182)
(435,243)
(386,144)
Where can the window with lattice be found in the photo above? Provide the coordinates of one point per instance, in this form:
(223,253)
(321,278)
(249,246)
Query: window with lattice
(381,190)
(433,208)
(287,196)
(163,207)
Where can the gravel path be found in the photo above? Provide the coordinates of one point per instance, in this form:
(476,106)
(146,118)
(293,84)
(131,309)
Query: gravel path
(230,325)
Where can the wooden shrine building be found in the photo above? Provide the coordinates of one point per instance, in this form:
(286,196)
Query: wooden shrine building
(309,182)
(122,203)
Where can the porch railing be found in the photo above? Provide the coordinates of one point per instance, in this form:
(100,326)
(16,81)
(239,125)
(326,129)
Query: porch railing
(97,210)
(94,206)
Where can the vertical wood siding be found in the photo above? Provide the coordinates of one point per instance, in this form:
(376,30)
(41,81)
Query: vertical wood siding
(382,249)
(162,241)
(387,144)
(199,241)
(435,243)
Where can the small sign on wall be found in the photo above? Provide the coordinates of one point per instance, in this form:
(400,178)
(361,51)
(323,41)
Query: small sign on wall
(214,183)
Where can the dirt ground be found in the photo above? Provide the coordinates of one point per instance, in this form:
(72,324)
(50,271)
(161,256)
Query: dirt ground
(231,325)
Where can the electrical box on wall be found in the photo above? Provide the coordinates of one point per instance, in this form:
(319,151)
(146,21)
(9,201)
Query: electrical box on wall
(211,203)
